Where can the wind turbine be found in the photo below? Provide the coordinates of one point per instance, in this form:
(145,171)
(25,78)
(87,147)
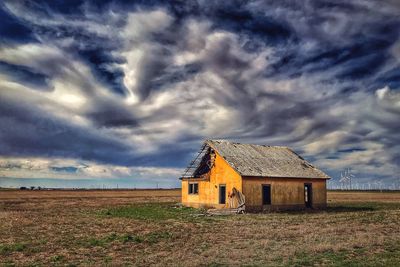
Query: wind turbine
(345,178)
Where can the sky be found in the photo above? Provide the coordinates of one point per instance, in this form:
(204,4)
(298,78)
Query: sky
(107,93)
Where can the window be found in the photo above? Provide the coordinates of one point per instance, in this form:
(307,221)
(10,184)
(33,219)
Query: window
(193,188)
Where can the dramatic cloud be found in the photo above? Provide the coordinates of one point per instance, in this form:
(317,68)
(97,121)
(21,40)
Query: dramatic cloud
(114,90)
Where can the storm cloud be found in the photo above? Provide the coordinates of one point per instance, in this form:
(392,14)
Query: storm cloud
(115,86)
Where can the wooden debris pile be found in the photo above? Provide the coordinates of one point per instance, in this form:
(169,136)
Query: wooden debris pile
(236,202)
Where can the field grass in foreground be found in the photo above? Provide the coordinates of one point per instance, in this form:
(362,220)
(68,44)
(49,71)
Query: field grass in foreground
(357,229)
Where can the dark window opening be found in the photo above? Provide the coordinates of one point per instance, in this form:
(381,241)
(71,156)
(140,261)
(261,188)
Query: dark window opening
(308,195)
(222,194)
(266,194)
(193,188)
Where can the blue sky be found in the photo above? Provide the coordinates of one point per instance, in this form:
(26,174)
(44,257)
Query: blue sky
(108,92)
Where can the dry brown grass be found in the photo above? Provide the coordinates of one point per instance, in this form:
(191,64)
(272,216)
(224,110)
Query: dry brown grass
(363,196)
(57,194)
(61,228)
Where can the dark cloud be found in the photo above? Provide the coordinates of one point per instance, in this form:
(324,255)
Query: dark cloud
(27,131)
(389,78)
(143,83)
(25,75)
(108,113)
(236,16)
(100,61)
(13,30)
(69,169)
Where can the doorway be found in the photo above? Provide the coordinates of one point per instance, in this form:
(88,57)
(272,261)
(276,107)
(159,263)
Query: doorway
(266,194)
(308,195)
(222,194)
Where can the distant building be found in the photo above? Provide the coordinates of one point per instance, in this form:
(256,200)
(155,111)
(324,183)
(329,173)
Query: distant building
(269,177)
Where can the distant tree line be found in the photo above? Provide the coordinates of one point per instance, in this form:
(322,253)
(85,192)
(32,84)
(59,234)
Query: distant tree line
(30,188)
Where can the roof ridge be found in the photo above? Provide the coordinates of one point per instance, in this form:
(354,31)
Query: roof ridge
(249,144)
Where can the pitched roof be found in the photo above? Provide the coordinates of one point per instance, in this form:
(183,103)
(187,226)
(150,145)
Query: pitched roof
(265,161)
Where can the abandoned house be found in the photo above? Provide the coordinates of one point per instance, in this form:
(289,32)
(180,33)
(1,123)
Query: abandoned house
(252,177)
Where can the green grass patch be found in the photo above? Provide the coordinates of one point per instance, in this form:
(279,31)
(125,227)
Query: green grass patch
(216,264)
(149,238)
(152,212)
(362,206)
(126,238)
(35,264)
(100,242)
(58,258)
(9,264)
(389,256)
(155,237)
(9,248)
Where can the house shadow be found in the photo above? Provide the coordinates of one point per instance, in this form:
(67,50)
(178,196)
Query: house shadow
(344,208)
(330,209)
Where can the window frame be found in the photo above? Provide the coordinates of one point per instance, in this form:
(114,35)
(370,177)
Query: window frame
(193,188)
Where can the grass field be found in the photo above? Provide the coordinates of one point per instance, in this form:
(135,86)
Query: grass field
(145,227)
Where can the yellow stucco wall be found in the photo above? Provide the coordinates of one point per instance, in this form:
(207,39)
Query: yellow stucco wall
(285,192)
(221,173)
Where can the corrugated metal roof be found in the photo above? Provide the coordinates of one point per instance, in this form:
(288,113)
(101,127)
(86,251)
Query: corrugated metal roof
(266,161)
